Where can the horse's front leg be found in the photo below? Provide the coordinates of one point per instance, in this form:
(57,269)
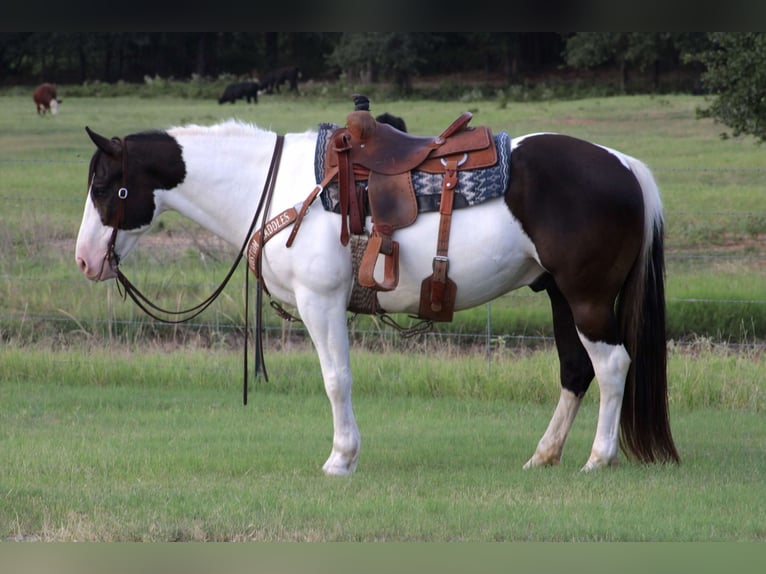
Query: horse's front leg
(325,319)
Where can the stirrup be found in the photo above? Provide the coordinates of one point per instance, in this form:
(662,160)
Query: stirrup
(390,252)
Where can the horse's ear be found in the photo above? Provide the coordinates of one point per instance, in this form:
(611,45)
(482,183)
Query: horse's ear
(110,147)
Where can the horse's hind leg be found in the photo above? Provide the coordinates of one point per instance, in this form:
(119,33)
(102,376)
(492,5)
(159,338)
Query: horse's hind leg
(597,329)
(611,363)
(576,374)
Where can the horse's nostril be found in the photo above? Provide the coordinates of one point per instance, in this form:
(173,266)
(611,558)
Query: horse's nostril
(82,265)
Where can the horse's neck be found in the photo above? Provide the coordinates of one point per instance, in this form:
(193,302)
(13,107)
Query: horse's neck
(225,175)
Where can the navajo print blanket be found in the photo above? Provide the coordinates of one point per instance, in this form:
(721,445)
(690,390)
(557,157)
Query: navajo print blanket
(474,186)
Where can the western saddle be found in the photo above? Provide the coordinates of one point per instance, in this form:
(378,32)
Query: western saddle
(372,163)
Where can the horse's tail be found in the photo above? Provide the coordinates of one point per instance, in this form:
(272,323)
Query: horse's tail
(644,422)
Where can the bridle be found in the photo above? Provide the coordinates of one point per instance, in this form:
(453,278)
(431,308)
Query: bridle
(142,301)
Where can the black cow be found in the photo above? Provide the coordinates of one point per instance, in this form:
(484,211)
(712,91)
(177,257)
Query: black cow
(271,81)
(392,120)
(240,91)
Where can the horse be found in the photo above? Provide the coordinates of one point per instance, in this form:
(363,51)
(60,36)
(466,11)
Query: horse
(46,99)
(392,120)
(580,221)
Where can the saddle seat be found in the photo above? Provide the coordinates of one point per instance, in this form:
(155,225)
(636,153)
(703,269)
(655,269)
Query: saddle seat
(377,160)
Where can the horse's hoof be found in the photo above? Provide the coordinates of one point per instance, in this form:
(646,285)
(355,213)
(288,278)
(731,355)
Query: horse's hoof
(335,466)
(537,461)
(597,464)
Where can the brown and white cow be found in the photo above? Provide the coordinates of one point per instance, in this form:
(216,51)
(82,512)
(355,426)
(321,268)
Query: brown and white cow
(46,99)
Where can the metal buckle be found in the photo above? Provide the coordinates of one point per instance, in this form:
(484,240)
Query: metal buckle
(439,259)
(461,162)
(122,193)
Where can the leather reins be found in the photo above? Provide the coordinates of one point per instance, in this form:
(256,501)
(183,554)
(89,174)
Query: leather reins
(143,302)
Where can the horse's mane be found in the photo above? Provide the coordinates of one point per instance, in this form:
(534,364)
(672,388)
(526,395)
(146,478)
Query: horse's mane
(230,127)
(226,128)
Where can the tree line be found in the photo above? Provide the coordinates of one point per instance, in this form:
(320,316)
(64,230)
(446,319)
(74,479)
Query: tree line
(78,57)
(730,66)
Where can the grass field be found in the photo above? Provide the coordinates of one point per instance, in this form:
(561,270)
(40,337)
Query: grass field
(157,447)
(712,190)
(115,428)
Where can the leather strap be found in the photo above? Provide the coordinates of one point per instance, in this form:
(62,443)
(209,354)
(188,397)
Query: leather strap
(441,261)
(111,258)
(307,203)
(345,181)
(454,127)
(278,223)
(263,208)
(148,307)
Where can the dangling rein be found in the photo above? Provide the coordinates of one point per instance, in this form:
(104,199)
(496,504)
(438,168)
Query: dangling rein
(149,308)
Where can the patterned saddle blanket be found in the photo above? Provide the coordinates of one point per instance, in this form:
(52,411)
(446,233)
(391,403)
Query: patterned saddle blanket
(474,186)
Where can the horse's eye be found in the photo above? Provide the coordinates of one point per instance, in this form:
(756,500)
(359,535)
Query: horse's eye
(99,192)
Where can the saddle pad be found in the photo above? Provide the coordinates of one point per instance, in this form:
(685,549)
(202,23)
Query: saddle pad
(474,186)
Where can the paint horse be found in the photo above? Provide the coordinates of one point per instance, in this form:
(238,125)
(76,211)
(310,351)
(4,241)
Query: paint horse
(579,221)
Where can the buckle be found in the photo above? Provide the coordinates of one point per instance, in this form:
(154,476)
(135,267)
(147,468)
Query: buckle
(439,259)
(461,162)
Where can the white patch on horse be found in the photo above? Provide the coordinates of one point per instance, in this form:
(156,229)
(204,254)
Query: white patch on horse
(551,445)
(611,364)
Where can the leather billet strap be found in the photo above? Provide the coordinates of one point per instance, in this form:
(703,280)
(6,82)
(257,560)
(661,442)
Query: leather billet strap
(441,261)
(350,205)
(342,143)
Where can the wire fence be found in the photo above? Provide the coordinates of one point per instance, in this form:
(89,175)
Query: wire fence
(10,200)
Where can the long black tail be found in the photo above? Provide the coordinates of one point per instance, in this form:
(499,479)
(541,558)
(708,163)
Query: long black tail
(644,421)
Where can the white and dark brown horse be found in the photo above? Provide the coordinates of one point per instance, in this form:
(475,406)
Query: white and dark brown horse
(578,220)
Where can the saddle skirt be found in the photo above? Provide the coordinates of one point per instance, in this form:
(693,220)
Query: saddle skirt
(474,185)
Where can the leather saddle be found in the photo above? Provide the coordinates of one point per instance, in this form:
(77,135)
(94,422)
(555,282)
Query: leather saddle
(374,162)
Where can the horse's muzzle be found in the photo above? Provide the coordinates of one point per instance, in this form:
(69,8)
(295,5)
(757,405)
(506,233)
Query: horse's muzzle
(101,270)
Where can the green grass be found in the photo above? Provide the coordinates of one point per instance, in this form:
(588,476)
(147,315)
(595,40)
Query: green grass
(111,432)
(103,446)
(711,189)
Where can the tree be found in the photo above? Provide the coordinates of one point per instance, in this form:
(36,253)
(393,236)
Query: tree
(736,77)
(369,54)
(625,49)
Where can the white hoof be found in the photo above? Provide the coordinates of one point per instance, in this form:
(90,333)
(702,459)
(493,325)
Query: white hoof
(336,465)
(538,460)
(597,464)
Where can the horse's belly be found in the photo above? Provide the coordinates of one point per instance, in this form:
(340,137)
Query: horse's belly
(489,254)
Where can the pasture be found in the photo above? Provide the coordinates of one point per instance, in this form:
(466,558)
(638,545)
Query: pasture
(115,428)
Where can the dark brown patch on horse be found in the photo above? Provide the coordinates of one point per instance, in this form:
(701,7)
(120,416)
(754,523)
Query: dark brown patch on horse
(584,211)
(153,160)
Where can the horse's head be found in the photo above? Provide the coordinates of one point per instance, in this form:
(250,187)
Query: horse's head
(124,177)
